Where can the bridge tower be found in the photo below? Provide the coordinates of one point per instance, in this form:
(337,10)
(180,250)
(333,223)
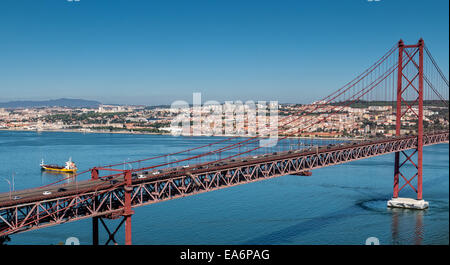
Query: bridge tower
(409,81)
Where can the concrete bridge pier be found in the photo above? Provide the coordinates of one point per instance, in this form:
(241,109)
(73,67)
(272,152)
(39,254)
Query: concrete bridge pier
(407,203)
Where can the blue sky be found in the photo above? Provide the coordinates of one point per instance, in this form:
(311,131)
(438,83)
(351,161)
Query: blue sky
(156,52)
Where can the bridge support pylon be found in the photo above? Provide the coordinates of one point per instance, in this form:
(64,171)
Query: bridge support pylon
(94,176)
(128,211)
(408,54)
(126,214)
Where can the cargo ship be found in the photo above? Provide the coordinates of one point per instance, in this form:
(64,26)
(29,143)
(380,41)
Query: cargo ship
(69,168)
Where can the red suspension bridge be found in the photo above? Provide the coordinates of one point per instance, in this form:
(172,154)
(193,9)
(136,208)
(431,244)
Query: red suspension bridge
(405,78)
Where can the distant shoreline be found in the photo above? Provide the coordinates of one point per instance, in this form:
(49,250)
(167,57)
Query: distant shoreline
(82,131)
(169,134)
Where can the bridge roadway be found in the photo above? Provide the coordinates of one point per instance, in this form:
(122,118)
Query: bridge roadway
(31,209)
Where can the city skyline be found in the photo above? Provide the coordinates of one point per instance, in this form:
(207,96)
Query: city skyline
(162,52)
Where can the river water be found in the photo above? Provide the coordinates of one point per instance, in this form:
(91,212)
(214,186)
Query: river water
(344,204)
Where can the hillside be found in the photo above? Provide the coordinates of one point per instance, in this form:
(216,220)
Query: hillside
(62,102)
